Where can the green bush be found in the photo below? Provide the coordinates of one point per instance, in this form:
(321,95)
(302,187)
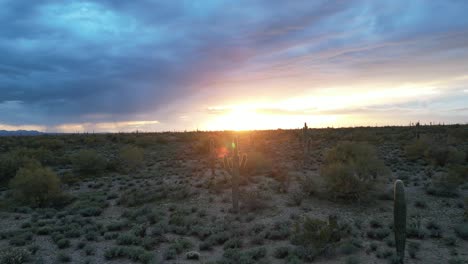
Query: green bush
(131,156)
(9,164)
(416,149)
(35,185)
(462,231)
(132,253)
(258,163)
(444,184)
(317,236)
(14,256)
(351,170)
(442,155)
(88,162)
(281,252)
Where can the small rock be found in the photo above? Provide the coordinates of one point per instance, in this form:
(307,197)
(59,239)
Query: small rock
(193,255)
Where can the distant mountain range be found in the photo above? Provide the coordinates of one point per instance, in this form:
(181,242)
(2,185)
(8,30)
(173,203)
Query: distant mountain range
(20,133)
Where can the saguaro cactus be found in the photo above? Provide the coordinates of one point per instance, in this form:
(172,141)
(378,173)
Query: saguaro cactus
(212,157)
(233,167)
(417,129)
(399,214)
(305,143)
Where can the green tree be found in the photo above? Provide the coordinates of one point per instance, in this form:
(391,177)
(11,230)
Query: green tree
(88,162)
(35,185)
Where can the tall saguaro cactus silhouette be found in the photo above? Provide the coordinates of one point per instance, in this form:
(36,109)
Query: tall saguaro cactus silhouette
(233,167)
(305,143)
(399,214)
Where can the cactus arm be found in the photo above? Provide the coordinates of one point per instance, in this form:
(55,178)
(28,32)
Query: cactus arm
(227,166)
(243,162)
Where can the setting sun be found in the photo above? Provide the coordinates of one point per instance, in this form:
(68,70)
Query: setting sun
(214,131)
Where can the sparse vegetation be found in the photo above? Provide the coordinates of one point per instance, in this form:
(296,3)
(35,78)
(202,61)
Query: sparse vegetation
(88,162)
(352,170)
(166,205)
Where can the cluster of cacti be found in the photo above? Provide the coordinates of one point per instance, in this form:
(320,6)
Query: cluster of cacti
(399,214)
(233,167)
(305,143)
(212,157)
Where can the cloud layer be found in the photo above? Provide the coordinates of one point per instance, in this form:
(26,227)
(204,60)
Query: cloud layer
(161,65)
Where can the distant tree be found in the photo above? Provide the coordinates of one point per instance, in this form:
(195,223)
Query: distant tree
(88,162)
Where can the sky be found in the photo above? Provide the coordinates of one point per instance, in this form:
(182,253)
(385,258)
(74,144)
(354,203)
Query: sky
(109,66)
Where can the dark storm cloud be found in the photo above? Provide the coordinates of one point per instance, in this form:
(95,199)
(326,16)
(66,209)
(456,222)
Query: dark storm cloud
(63,61)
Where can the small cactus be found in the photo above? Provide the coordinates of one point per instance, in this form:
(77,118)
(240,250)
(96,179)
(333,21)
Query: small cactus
(399,214)
(233,167)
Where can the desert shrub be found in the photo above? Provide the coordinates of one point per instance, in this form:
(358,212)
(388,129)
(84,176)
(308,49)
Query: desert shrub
(132,253)
(351,170)
(63,243)
(281,252)
(317,236)
(352,260)
(253,200)
(462,231)
(90,205)
(349,247)
(177,247)
(455,260)
(90,211)
(235,255)
(116,225)
(90,250)
(420,204)
(218,238)
(134,197)
(379,233)
(131,156)
(35,185)
(233,243)
(295,198)
(14,256)
(442,155)
(458,173)
(417,149)
(63,257)
(10,163)
(50,143)
(257,163)
(279,231)
(88,162)
(413,248)
(282,176)
(414,228)
(307,185)
(128,239)
(202,146)
(444,184)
